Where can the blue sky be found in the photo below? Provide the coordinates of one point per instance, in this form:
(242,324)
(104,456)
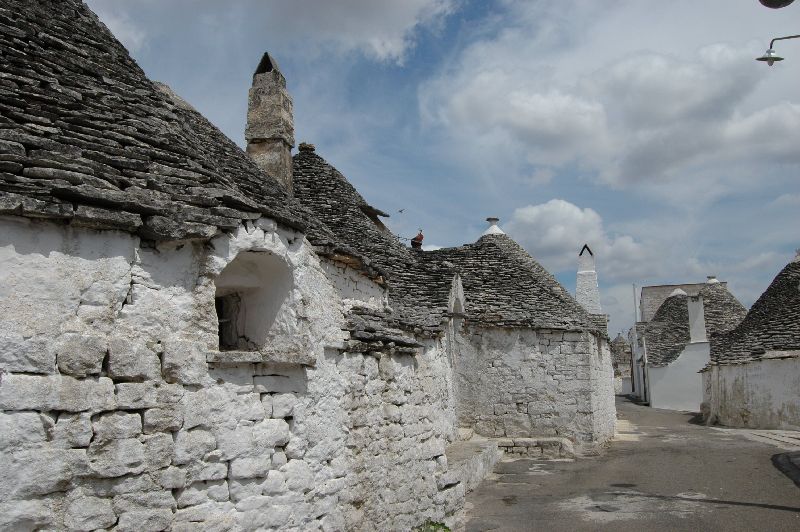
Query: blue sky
(642,127)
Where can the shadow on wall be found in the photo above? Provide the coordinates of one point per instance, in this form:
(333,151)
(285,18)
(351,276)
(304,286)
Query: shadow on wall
(250,294)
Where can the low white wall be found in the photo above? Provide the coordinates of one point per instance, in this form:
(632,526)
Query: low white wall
(524,383)
(679,386)
(763,394)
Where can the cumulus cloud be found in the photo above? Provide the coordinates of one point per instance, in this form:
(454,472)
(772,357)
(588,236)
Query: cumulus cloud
(554,232)
(383,30)
(640,117)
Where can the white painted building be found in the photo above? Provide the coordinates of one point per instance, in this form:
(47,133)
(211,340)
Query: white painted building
(753,379)
(674,343)
(194,337)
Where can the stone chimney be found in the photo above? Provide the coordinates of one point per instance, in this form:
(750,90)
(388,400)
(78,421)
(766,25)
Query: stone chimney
(270,122)
(697,321)
(586,290)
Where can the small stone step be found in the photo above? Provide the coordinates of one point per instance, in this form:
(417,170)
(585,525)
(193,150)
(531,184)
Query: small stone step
(470,461)
(544,447)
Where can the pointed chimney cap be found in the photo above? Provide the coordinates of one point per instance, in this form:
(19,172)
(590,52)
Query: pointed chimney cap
(493,227)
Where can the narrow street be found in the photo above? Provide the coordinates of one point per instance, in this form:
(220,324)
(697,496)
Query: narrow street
(661,472)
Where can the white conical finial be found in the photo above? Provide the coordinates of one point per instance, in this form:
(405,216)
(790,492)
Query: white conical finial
(712,279)
(677,292)
(494,229)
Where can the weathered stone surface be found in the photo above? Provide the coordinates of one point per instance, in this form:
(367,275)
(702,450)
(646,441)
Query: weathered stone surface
(184,362)
(41,471)
(298,475)
(117,426)
(28,355)
(89,513)
(139,395)
(80,355)
(28,392)
(159,450)
(25,514)
(72,430)
(172,478)
(193,445)
(166,419)
(131,360)
(272,432)
(145,520)
(114,458)
(21,429)
(201,492)
(250,467)
(283,404)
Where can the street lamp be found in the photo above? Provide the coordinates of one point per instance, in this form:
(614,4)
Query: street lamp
(770,56)
(775,4)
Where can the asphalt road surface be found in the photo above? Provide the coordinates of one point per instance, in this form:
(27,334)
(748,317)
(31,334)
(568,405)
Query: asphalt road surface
(661,472)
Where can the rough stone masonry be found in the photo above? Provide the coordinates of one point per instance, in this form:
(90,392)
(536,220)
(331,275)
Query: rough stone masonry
(195,339)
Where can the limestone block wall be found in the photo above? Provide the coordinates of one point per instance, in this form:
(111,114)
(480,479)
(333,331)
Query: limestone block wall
(118,411)
(761,394)
(523,383)
(353,287)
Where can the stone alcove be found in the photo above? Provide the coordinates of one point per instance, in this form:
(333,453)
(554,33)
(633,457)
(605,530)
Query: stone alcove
(251,299)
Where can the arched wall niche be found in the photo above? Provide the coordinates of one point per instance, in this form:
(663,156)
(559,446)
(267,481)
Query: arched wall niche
(251,298)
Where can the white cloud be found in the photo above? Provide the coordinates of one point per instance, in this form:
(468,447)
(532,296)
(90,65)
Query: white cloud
(382,30)
(554,233)
(528,94)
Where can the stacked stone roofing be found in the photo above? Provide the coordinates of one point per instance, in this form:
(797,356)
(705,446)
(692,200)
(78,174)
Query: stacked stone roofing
(667,334)
(85,137)
(653,296)
(772,324)
(419,296)
(503,285)
(620,352)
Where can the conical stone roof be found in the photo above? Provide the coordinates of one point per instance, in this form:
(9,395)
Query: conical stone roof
(503,284)
(667,333)
(772,324)
(85,137)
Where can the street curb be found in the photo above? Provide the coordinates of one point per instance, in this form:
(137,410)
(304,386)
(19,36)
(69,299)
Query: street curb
(789,465)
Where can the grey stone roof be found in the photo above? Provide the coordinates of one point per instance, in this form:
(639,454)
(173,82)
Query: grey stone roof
(620,353)
(86,137)
(772,324)
(503,285)
(667,333)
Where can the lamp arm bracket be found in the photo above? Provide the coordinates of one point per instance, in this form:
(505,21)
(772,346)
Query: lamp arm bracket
(783,38)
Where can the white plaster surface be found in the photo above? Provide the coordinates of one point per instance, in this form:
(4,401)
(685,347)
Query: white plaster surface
(523,383)
(110,413)
(678,386)
(762,394)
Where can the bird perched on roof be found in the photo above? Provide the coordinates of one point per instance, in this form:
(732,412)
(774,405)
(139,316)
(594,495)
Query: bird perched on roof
(416,242)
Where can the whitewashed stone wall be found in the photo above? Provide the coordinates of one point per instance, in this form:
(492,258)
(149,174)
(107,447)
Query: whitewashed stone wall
(354,288)
(761,394)
(113,416)
(523,383)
